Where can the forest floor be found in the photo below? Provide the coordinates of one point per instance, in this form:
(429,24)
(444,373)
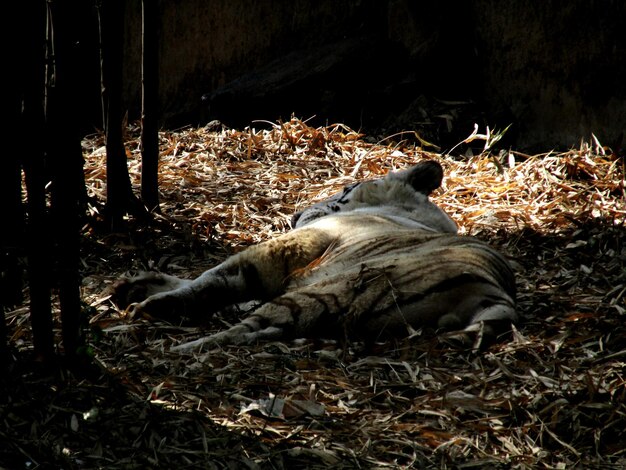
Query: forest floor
(553,395)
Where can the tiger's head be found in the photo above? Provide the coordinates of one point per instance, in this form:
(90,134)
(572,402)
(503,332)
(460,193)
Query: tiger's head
(399,195)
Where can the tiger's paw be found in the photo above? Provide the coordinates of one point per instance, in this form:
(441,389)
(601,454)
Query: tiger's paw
(151,293)
(168,306)
(129,290)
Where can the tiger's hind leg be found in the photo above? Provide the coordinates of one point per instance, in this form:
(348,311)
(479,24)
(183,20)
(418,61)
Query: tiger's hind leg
(304,313)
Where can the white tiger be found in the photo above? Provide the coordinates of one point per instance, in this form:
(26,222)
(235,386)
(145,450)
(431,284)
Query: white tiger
(377,259)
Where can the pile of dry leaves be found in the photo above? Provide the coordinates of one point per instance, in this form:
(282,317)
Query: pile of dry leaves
(552,396)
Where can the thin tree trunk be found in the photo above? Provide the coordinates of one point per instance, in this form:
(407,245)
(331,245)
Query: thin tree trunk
(120,198)
(150,97)
(66,162)
(37,241)
(12,234)
(39,263)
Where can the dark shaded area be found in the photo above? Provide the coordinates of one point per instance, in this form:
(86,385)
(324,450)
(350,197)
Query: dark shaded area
(554,72)
(57,420)
(327,82)
(10,192)
(30,117)
(45,222)
(389,73)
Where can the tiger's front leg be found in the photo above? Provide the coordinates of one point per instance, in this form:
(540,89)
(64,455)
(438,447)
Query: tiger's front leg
(205,294)
(260,272)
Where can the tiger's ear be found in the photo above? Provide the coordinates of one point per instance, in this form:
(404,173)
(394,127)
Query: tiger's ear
(424,177)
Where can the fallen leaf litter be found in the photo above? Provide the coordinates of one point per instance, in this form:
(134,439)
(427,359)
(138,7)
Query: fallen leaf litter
(553,396)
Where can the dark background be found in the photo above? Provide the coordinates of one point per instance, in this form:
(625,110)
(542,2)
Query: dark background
(555,70)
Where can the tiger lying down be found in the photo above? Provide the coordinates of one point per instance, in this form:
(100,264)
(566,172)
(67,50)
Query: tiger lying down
(378,259)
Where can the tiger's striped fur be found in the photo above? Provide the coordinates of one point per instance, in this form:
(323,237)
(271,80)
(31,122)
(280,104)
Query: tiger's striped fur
(377,259)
